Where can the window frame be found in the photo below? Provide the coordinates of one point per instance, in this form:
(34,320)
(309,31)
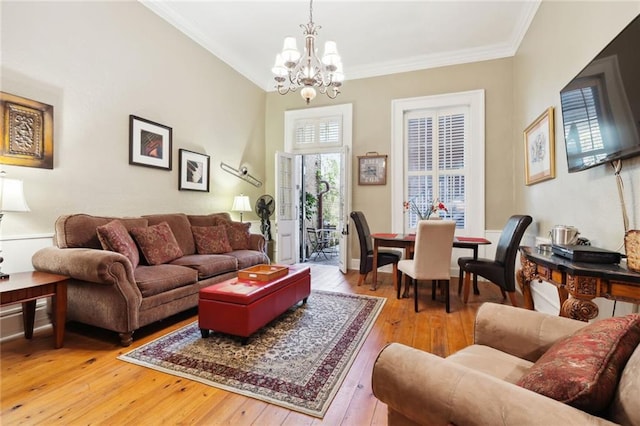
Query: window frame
(474,155)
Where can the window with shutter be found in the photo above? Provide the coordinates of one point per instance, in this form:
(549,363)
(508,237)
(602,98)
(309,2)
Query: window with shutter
(318,132)
(436,162)
(438,154)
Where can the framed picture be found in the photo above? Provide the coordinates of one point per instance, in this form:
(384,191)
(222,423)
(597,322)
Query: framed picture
(194,171)
(539,149)
(372,169)
(149,143)
(27,135)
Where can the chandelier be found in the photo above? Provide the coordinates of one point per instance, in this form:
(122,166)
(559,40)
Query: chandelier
(307,72)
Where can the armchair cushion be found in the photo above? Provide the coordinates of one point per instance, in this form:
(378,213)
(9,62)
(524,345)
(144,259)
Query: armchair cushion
(211,239)
(114,237)
(584,368)
(157,243)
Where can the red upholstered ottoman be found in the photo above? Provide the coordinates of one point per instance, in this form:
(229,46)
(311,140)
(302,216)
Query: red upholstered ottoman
(241,307)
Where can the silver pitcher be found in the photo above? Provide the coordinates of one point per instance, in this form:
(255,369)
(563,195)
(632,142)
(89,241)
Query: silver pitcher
(563,234)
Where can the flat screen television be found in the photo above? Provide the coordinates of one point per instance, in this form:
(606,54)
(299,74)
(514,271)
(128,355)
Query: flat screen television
(601,105)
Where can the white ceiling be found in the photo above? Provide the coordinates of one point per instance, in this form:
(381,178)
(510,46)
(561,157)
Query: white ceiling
(373,37)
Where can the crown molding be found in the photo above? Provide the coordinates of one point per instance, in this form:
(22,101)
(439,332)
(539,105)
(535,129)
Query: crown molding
(416,63)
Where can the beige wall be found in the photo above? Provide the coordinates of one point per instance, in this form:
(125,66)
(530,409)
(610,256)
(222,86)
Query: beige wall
(562,39)
(371,99)
(98,62)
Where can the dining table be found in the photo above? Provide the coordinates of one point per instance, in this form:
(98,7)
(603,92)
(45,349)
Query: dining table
(408,242)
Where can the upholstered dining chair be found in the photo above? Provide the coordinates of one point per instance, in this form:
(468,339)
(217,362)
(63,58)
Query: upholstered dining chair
(385,257)
(431,257)
(501,269)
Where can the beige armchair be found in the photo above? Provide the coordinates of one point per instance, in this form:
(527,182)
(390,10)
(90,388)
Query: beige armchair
(476,385)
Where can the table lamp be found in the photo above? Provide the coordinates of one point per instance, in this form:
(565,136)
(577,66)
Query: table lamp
(241,204)
(11,200)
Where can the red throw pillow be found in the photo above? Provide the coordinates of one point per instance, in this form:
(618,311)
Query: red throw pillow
(238,234)
(583,370)
(114,237)
(211,239)
(157,243)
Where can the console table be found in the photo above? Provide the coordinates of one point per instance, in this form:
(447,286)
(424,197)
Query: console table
(578,283)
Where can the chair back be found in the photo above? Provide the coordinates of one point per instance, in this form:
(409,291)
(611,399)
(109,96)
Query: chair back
(312,235)
(434,244)
(509,242)
(364,235)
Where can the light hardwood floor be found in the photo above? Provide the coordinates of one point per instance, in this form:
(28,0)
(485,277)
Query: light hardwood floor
(83,383)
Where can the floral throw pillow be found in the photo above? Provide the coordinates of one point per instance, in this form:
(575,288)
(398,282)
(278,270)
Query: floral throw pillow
(157,243)
(114,237)
(583,370)
(238,234)
(211,239)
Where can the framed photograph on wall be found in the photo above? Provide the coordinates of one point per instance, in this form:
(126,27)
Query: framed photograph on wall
(149,143)
(27,137)
(372,169)
(539,149)
(194,171)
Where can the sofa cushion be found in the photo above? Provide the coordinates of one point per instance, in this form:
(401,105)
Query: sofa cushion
(152,280)
(247,258)
(624,407)
(208,265)
(114,237)
(238,234)
(157,243)
(583,369)
(181,228)
(209,219)
(79,230)
(211,239)
(492,361)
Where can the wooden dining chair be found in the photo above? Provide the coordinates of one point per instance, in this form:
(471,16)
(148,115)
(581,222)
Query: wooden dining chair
(431,257)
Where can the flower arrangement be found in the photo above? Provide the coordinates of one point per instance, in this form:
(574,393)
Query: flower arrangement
(433,207)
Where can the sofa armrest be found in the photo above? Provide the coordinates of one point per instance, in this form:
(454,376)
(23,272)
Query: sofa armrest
(426,389)
(520,332)
(84,264)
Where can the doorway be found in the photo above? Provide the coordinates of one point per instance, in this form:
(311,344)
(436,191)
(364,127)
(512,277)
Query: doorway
(320,212)
(323,136)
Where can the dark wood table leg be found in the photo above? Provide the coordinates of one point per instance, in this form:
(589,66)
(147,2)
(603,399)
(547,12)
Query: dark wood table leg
(28,317)
(59,313)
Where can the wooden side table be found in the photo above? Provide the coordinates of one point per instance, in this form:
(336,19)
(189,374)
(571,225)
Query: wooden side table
(26,288)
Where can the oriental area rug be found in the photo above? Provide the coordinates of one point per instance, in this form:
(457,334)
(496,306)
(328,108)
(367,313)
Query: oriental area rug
(298,361)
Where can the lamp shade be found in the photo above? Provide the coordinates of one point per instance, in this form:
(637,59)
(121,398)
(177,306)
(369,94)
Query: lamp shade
(241,204)
(12,196)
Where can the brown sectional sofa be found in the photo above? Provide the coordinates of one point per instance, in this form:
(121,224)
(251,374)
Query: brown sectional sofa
(107,291)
